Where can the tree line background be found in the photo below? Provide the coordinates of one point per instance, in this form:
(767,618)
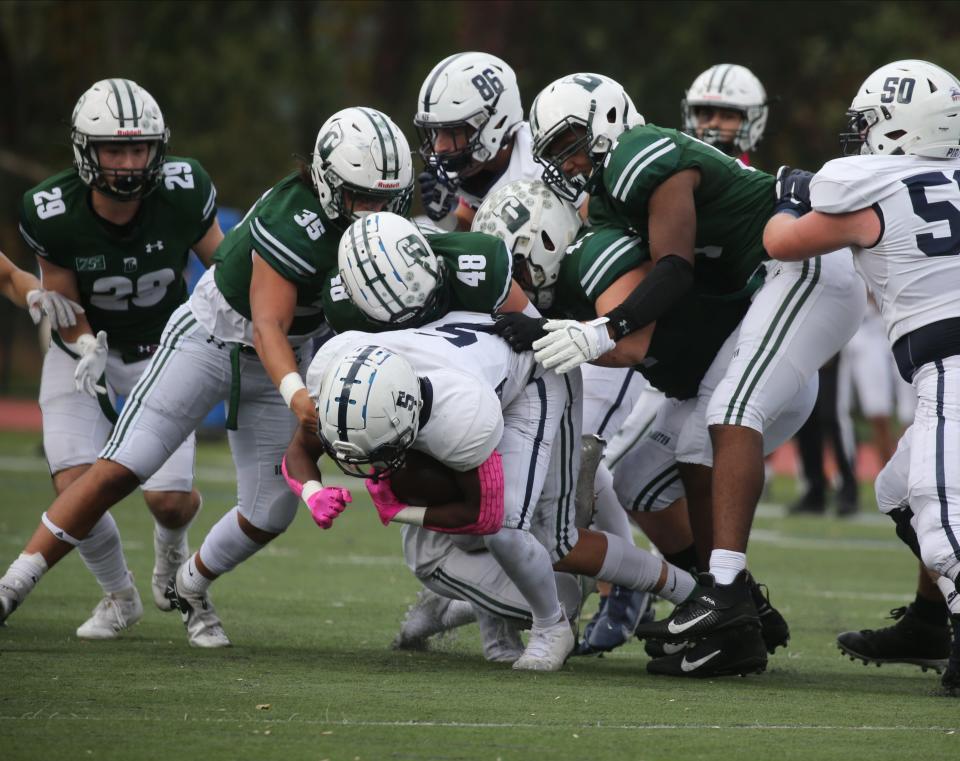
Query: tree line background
(245,85)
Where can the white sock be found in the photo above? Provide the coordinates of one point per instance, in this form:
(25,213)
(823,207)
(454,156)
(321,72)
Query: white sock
(226,546)
(610,517)
(458,613)
(174,537)
(190,578)
(726,564)
(949,591)
(22,575)
(102,553)
(629,566)
(527,564)
(678,586)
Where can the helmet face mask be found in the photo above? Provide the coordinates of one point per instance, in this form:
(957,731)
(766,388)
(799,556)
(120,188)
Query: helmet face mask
(361,163)
(368,411)
(727,87)
(118,113)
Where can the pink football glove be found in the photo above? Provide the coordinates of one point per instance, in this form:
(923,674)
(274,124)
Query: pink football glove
(384,499)
(327,503)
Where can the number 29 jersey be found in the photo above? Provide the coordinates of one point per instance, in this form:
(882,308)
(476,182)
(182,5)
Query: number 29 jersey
(913,270)
(130,277)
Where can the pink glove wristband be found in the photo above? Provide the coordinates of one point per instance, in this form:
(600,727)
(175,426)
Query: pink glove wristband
(384,499)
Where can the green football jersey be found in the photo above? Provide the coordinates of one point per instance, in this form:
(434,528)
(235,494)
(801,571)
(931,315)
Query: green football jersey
(477,276)
(289,231)
(733,202)
(130,277)
(686,338)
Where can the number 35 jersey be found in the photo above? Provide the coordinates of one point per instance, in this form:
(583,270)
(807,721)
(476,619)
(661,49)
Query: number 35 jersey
(913,270)
(130,277)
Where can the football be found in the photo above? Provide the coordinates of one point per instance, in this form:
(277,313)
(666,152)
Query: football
(424,481)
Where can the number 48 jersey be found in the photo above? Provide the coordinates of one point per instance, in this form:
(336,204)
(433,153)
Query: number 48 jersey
(130,277)
(913,270)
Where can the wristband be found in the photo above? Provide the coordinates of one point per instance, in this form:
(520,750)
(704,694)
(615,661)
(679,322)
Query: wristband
(309,489)
(411,515)
(290,385)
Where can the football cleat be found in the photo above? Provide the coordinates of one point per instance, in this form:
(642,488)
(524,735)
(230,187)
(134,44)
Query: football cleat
(204,628)
(910,640)
(423,619)
(500,637)
(167,559)
(615,621)
(730,652)
(710,608)
(114,613)
(811,503)
(548,648)
(657,648)
(951,677)
(8,603)
(773,626)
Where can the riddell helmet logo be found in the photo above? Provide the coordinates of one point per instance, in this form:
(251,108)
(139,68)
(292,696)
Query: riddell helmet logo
(954,94)
(391,185)
(128,132)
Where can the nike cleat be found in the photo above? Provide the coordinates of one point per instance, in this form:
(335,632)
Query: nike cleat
(910,640)
(773,626)
(710,608)
(657,648)
(731,652)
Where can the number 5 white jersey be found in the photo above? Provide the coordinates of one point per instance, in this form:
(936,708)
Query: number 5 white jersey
(473,376)
(914,269)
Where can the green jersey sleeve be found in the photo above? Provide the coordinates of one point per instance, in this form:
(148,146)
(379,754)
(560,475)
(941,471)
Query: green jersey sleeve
(188,185)
(340,311)
(479,269)
(643,158)
(286,239)
(600,257)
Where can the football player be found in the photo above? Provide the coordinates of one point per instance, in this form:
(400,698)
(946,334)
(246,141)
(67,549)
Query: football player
(702,214)
(114,233)
(726,106)
(24,290)
(896,205)
(240,337)
(473,138)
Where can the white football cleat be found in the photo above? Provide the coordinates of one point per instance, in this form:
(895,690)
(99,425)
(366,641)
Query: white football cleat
(500,637)
(423,619)
(548,648)
(114,613)
(167,559)
(199,616)
(8,604)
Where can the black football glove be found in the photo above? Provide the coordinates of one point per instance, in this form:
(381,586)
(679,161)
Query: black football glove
(793,191)
(518,330)
(438,198)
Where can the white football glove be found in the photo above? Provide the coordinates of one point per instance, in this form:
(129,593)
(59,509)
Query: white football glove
(61,310)
(92,363)
(569,344)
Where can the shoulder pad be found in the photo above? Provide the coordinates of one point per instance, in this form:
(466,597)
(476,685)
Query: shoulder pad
(641,159)
(850,184)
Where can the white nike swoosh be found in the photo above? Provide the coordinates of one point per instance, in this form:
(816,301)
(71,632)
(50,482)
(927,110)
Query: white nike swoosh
(680,628)
(688,666)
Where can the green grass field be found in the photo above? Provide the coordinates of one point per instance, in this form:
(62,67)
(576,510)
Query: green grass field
(312,676)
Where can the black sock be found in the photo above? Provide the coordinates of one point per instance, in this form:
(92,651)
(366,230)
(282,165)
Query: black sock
(933,612)
(685,559)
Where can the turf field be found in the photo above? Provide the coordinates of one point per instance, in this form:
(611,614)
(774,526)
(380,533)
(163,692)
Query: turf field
(311,674)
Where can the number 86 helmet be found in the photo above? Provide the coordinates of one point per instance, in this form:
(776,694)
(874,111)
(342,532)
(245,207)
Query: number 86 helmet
(473,90)
(368,410)
(908,107)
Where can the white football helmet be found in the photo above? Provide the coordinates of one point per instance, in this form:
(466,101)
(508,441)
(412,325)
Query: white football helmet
(118,110)
(906,107)
(361,151)
(537,227)
(368,409)
(473,90)
(389,269)
(595,109)
(728,85)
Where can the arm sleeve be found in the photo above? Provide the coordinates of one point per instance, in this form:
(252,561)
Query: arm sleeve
(668,281)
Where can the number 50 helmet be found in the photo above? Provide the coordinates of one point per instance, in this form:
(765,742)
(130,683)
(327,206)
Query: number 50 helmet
(389,270)
(595,109)
(537,227)
(477,91)
(361,151)
(906,107)
(368,409)
(111,111)
(728,85)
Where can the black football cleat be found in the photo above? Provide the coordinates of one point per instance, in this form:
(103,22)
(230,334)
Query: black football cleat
(773,626)
(951,677)
(710,608)
(730,652)
(910,640)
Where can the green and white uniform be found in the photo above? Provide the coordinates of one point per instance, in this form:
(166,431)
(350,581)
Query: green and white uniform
(800,313)
(477,274)
(130,280)
(206,355)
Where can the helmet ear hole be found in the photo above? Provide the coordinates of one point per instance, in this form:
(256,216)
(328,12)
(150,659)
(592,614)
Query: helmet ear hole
(896,134)
(612,116)
(547,241)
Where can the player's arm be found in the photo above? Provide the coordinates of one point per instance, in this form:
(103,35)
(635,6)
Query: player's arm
(790,238)
(273,300)
(206,247)
(64,282)
(464,215)
(300,471)
(15,283)
(516,300)
(631,349)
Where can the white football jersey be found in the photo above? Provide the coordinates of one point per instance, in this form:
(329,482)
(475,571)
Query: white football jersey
(473,375)
(522,166)
(914,271)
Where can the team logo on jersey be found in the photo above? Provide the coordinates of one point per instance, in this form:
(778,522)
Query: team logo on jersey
(129,264)
(155,246)
(90,263)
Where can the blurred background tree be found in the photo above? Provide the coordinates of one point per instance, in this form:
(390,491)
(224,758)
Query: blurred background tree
(245,85)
